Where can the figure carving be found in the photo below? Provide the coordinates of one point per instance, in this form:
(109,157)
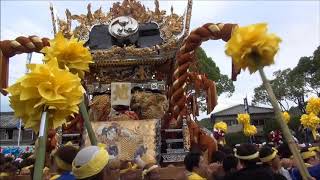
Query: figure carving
(142,75)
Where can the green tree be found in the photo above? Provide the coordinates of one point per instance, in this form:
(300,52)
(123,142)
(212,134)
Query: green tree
(206,65)
(206,122)
(281,88)
(236,138)
(309,69)
(294,85)
(270,125)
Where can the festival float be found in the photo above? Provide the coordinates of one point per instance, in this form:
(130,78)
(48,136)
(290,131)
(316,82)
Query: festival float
(139,92)
(139,95)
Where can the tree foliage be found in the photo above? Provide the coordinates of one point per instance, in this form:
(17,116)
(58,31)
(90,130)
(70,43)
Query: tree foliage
(292,86)
(309,69)
(236,138)
(206,65)
(280,86)
(207,123)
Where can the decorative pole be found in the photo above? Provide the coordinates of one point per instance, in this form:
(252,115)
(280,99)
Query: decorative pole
(41,149)
(253,47)
(188,17)
(285,130)
(53,20)
(29,57)
(19,134)
(246,110)
(87,123)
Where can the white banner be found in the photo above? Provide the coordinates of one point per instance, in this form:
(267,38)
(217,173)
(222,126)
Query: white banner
(120,94)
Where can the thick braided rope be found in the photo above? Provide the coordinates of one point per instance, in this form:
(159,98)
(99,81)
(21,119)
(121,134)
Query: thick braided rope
(9,48)
(184,58)
(201,81)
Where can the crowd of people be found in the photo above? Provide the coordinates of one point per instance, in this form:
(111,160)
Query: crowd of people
(244,161)
(248,161)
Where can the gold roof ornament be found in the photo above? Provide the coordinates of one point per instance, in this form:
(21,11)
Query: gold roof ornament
(173,28)
(170,25)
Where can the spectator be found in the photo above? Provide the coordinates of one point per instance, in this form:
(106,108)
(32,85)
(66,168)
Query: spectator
(284,151)
(90,162)
(270,159)
(248,156)
(230,165)
(309,157)
(194,163)
(226,149)
(218,157)
(63,160)
(312,163)
(215,168)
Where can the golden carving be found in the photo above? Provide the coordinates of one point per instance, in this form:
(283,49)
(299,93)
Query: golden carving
(142,75)
(171,30)
(170,25)
(121,56)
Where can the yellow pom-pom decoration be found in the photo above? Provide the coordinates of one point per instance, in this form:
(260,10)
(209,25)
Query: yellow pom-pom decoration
(70,53)
(46,87)
(310,121)
(286,117)
(251,47)
(249,130)
(222,126)
(313,106)
(243,118)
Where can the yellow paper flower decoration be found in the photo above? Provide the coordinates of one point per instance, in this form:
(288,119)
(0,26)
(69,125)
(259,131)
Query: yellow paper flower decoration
(46,87)
(251,47)
(286,117)
(313,106)
(70,53)
(221,126)
(310,121)
(249,130)
(243,118)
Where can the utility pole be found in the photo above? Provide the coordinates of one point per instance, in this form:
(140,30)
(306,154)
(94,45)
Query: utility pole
(246,109)
(28,61)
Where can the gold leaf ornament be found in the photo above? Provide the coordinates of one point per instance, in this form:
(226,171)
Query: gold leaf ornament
(46,86)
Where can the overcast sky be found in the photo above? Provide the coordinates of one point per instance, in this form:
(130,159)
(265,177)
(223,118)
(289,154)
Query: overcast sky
(296,22)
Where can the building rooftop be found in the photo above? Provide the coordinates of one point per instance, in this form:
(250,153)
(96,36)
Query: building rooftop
(8,120)
(240,108)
